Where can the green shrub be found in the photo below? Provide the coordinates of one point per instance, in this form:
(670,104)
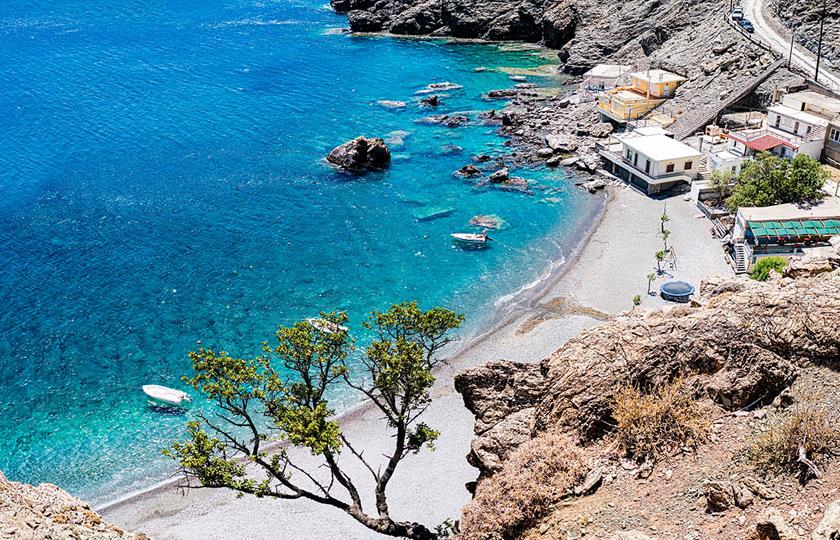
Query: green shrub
(761,270)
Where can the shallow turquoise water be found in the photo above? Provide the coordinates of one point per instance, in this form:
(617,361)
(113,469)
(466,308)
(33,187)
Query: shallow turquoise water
(162,177)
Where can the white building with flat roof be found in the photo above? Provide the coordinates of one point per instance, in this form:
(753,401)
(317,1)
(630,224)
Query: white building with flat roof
(605,76)
(654,163)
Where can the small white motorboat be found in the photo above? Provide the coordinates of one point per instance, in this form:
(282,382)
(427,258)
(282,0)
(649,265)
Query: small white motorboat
(471,239)
(326,327)
(163,396)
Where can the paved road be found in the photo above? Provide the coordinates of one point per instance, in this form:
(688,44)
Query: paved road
(802,57)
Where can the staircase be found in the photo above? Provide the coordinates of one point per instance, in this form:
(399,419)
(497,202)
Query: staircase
(741,258)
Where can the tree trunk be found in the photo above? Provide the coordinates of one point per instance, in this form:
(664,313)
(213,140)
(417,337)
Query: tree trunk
(399,529)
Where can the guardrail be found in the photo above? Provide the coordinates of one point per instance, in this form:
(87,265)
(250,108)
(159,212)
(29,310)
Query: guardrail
(751,37)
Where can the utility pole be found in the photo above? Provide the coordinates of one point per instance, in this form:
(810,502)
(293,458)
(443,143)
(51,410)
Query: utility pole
(819,43)
(790,55)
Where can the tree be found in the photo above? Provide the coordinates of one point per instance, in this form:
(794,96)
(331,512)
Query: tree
(660,256)
(665,234)
(721,181)
(651,278)
(283,395)
(663,219)
(770,180)
(637,300)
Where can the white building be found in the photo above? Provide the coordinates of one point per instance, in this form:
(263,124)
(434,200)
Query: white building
(655,162)
(605,76)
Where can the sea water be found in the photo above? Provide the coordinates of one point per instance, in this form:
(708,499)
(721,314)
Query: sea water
(163,183)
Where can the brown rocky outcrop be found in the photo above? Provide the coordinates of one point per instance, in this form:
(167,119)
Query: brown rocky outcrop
(46,511)
(804,16)
(360,155)
(829,526)
(742,346)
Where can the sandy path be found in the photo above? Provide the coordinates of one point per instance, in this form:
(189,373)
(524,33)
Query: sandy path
(429,488)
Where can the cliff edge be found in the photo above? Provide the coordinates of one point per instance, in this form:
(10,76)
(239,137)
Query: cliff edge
(749,353)
(47,511)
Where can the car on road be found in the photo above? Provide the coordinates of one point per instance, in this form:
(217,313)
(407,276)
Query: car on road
(747,25)
(737,13)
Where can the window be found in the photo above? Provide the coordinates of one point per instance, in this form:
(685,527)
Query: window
(796,127)
(834,135)
(688,165)
(778,120)
(669,168)
(808,130)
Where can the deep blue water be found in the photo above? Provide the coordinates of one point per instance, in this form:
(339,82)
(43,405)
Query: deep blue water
(162,182)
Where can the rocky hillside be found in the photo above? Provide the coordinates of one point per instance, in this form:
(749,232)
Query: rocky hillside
(47,511)
(749,352)
(804,17)
(585,31)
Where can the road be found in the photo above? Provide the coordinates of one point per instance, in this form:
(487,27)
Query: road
(754,10)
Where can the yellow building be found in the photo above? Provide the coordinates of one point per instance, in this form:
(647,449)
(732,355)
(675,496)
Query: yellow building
(646,91)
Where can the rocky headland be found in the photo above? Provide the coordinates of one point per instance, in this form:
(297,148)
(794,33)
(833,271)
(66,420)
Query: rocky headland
(748,350)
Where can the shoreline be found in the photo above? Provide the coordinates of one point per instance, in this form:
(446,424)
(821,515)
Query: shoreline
(519,303)
(531,330)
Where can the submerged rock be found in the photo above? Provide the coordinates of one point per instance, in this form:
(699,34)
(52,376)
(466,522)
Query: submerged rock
(388,104)
(361,154)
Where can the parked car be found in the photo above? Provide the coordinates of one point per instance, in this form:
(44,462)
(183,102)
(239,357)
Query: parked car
(737,13)
(747,25)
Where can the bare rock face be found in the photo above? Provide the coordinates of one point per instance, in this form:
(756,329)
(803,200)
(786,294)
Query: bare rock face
(47,511)
(741,345)
(829,526)
(360,155)
(772,525)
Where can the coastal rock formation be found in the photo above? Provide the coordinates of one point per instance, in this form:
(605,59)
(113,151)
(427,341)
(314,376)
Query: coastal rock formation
(46,511)
(361,154)
(743,345)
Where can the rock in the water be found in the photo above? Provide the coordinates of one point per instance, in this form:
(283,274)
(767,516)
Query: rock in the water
(502,175)
(488,221)
(452,121)
(829,526)
(469,170)
(365,21)
(594,185)
(361,154)
(431,101)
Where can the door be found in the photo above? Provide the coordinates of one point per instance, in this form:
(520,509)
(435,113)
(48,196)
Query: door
(647,166)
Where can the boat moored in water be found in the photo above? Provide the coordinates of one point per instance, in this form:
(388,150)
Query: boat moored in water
(471,239)
(164,396)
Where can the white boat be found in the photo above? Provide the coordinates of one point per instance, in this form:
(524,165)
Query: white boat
(161,395)
(326,327)
(471,239)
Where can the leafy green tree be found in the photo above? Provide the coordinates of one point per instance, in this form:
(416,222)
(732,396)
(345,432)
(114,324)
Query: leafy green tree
(721,181)
(660,256)
(282,395)
(761,270)
(769,180)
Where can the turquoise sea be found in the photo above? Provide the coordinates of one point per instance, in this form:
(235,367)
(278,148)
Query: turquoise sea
(162,183)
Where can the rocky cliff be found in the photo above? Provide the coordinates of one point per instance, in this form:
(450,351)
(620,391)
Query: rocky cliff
(741,347)
(804,16)
(46,511)
(585,31)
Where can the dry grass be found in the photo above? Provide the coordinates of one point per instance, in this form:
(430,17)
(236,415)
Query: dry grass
(533,478)
(653,425)
(806,425)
